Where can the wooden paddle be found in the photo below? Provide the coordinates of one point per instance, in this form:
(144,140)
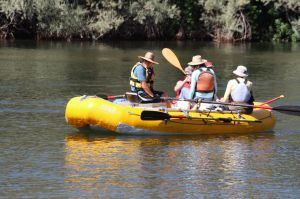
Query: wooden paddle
(172,58)
(156,115)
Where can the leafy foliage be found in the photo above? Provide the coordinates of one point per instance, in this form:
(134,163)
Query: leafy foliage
(152,14)
(225,19)
(104,17)
(219,20)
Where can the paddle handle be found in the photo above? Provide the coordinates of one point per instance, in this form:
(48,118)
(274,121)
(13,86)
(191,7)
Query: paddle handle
(272,100)
(110,97)
(115,96)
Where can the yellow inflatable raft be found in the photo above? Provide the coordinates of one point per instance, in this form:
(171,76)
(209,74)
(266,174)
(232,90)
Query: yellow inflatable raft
(95,112)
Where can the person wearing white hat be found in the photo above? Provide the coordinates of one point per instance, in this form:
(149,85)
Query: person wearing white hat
(203,80)
(142,76)
(239,90)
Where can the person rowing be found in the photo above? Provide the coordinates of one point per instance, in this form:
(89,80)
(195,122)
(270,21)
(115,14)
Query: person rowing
(142,79)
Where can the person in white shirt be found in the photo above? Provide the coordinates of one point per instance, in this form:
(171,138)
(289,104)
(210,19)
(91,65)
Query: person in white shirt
(239,90)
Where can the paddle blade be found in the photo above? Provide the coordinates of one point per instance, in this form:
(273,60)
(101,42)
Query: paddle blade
(288,109)
(154,115)
(172,58)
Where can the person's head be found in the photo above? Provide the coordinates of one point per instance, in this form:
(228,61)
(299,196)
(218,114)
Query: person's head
(241,71)
(148,59)
(197,62)
(188,70)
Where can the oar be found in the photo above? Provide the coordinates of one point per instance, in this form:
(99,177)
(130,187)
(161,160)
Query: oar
(172,58)
(273,100)
(109,97)
(287,109)
(156,115)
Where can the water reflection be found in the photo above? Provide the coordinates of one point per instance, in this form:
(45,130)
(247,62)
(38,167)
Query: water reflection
(95,164)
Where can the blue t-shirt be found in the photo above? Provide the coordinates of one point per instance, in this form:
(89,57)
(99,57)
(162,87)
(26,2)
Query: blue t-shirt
(140,73)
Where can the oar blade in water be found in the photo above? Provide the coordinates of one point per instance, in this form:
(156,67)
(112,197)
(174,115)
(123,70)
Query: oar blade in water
(288,109)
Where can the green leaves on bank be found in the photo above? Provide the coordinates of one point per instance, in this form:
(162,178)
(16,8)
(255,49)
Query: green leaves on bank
(219,20)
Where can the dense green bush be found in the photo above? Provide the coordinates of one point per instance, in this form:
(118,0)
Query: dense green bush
(219,20)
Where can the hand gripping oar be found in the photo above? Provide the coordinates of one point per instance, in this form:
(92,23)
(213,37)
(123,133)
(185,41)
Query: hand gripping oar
(172,58)
(156,115)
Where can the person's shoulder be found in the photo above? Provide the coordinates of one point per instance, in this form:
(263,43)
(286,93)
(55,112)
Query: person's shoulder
(179,82)
(232,81)
(139,68)
(249,83)
(196,72)
(139,65)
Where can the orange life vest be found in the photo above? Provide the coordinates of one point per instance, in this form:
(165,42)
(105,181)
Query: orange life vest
(206,81)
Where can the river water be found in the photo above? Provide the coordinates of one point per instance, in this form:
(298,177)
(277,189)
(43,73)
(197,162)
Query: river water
(43,157)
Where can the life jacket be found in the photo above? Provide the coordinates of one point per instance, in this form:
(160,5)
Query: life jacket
(134,82)
(241,92)
(206,81)
(185,85)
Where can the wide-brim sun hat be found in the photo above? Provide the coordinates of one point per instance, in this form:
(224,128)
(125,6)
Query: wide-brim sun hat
(149,56)
(241,71)
(197,60)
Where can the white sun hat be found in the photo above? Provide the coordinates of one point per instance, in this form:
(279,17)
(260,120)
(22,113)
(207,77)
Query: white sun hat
(241,71)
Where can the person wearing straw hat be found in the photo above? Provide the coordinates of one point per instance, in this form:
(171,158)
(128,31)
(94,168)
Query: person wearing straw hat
(141,78)
(239,90)
(203,80)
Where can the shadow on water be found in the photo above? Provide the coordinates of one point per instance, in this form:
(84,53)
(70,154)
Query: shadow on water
(94,134)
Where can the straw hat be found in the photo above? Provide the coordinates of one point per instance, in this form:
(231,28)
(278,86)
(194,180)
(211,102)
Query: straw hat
(197,60)
(241,71)
(149,56)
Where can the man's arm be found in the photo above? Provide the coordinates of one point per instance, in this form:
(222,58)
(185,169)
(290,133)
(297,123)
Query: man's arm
(147,89)
(181,83)
(227,92)
(141,75)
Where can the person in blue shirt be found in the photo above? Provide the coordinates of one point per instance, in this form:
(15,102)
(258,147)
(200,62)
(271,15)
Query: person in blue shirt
(203,80)
(142,78)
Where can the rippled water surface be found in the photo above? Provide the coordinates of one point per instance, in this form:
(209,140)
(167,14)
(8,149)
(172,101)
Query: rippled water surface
(43,157)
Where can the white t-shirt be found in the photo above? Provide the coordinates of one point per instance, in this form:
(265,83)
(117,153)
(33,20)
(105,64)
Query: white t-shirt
(232,84)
